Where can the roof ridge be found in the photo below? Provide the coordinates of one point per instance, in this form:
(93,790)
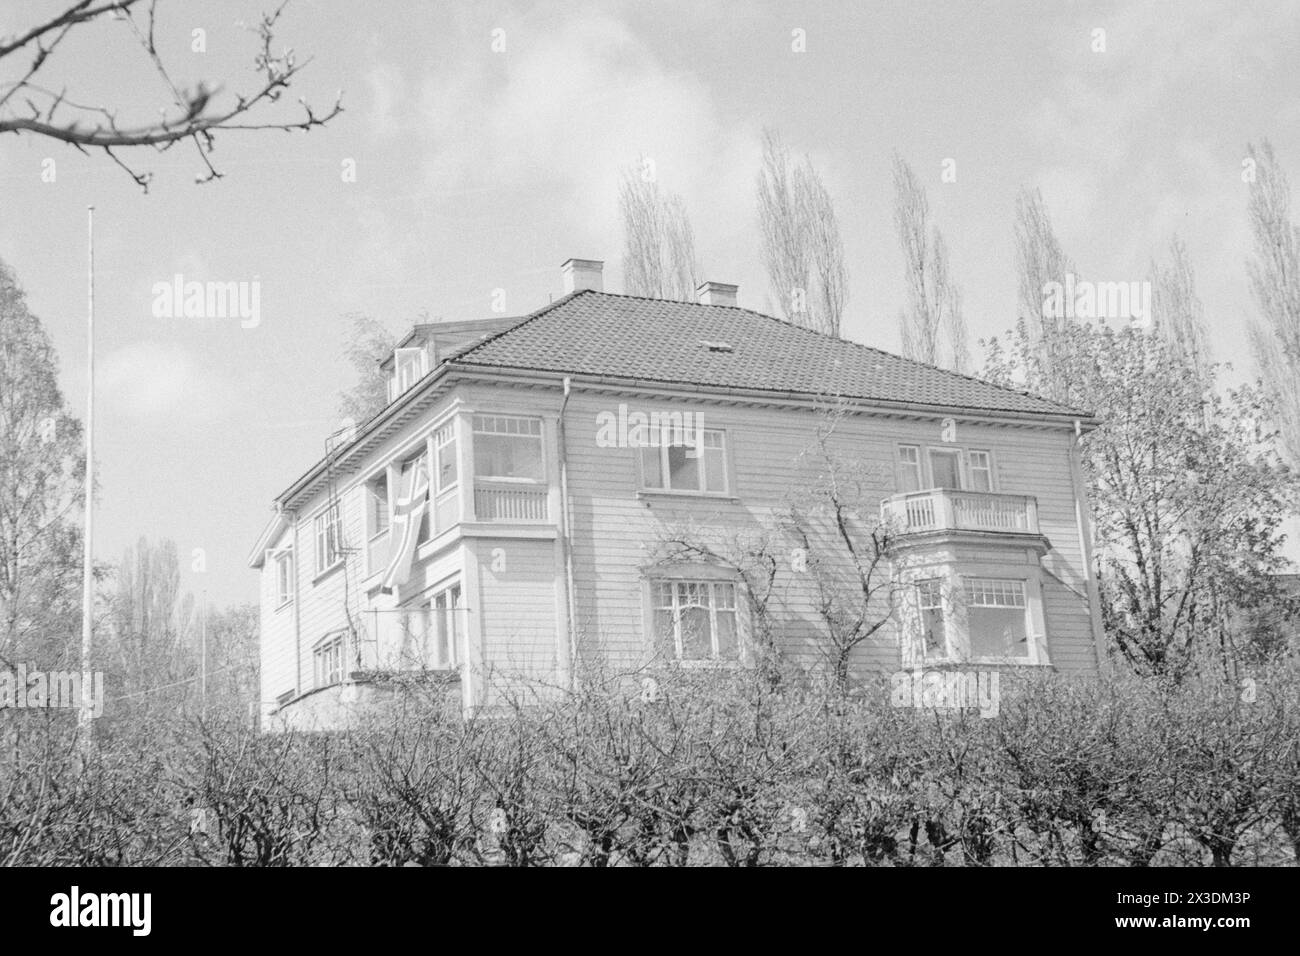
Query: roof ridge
(1026,393)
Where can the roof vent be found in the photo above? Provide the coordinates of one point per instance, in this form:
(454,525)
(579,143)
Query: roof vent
(716,293)
(718,346)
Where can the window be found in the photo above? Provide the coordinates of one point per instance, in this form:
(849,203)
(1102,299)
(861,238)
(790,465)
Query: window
(327,661)
(696,620)
(945,468)
(934,633)
(909,468)
(283,576)
(329,538)
(444,446)
(980,469)
(446,613)
(508,447)
(685,465)
(996,616)
(408,368)
(377,502)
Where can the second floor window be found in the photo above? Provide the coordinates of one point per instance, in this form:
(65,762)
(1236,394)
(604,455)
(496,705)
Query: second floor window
(696,620)
(284,576)
(952,468)
(508,447)
(700,466)
(377,499)
(329,538)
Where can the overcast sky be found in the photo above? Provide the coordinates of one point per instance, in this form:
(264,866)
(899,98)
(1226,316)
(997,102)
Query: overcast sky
(479,170)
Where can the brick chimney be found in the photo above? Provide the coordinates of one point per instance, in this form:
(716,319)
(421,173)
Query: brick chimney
(583,274)
(716,293)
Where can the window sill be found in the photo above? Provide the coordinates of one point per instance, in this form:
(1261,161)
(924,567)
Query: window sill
(327,572)
(283,604)
(671,493)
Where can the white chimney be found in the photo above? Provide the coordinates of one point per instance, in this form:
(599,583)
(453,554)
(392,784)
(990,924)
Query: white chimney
(716,293)
(583,274)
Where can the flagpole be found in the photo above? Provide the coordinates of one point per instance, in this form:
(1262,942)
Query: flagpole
(87,570)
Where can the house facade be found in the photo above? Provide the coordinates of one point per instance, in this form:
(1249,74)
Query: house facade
(587,482)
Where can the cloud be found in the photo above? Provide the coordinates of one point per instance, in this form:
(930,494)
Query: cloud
(162,383)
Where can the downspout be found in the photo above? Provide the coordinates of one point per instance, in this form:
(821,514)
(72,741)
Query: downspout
(297,603)
(571,640)
(1083,523)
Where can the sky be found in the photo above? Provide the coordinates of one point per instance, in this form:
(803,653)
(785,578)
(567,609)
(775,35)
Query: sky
(487,140)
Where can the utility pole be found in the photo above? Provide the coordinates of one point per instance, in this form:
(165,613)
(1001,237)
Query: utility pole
(88,570)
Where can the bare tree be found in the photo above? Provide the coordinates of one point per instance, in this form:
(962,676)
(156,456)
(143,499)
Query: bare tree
(1039,260)
(932,325)
(368,343)
(802,249)
(1177,313)
(33,106)
(658,243)
(1275,280)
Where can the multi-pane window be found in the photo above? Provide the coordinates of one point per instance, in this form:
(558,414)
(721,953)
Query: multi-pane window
(996,616)
(444,448)
(909,468)
(934,632)
(980,470)
(327,661)
(446,627)
(685,464)
(697,620)
(508,447)
(377,503)
(949,468)
(329,538)
(283,576)
(408,368)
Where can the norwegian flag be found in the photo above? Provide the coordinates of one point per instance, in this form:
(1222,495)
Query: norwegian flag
(407,517)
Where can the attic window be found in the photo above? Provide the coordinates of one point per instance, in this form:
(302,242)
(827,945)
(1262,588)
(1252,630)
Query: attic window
(717,346)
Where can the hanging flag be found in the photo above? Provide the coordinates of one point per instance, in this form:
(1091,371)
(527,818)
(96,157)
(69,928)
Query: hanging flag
(408,515)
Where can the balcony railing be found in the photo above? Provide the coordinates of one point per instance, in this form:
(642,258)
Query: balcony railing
(507,501)
(945,509)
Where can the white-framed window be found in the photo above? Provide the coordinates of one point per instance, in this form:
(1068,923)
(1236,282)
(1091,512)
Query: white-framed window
(444,449)
(909,468)
(508,448)
(979,469)
(409,366)
(327,661)
(997,617)
(934,623)
(683,463)
(951,468)
(283,567)
(431,631)
(378,504)
(696,620)
(329,538)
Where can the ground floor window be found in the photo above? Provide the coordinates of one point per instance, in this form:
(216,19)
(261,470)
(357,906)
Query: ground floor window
(697,620)
(976,618)
(327,661)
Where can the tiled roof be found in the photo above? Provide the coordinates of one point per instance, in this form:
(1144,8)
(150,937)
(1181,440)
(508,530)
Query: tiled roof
(655,340)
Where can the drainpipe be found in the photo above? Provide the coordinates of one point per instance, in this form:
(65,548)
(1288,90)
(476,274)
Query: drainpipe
(1083,523)
(572,648)
(297,604)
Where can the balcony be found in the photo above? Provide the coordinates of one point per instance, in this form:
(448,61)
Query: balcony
(510,501)
(946,509)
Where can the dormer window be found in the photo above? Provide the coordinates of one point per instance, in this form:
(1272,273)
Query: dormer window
(409,366)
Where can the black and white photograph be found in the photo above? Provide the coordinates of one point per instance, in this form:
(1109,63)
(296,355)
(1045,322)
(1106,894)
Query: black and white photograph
(675,435)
